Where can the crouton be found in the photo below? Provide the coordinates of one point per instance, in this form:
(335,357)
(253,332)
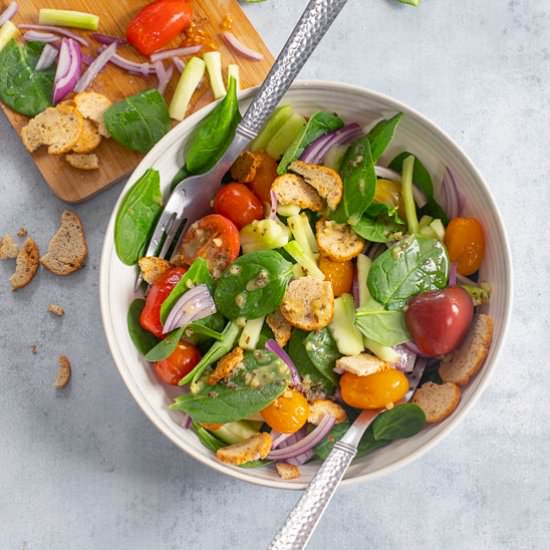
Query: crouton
(34,349)
(26,265)
(337,241)
(67,249)
(8,248)
(92,106)
(244,168)
(22,232)
(225,366)
(437,401)
(31,136)
(462,364)
(362,364)
(326,181)
(89,138)
(152,268)
(83,162)
(63,372)
(280,327)
(56,310)
(292,189)
(308,303)
(253,448)
(319,408)
(287,471)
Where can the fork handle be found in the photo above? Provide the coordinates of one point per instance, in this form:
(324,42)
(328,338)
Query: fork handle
(312,26)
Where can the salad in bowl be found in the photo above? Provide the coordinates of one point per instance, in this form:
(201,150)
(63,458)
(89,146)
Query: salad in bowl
(329,271)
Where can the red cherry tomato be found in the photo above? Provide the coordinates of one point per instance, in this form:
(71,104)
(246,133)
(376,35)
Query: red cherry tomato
(150,315)
(439,319)
(214,238)
(236,202)
(182,360)
(158,23)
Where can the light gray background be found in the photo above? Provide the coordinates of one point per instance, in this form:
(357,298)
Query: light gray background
(85,469)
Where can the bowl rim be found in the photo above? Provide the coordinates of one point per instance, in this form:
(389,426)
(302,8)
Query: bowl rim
(157,152)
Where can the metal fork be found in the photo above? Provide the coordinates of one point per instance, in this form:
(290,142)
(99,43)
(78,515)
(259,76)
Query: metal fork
(302,521)
(191,198)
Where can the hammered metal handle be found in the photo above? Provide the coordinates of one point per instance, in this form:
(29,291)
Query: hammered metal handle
(312,26)
(302,521)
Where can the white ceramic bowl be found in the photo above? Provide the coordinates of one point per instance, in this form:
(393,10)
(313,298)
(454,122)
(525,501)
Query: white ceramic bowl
(415,134)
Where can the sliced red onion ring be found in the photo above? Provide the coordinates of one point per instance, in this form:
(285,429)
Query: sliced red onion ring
(316,151)
(186,422)
(450,195)
(107,39)
(301,459)
(452,274)
(355,289)
(56,30)
(231,40)
(87,59)
(375,250)
(179,63)
(413,348)
(8,13)
(273,209)
(307,443)
(195,304)
(68,69)
(278,438)
(95,68)
(407,358)
(163,75)
(389,174)
(142,69)
(37,36)
(465,280)
(165,54)
(273,347)
(47,57)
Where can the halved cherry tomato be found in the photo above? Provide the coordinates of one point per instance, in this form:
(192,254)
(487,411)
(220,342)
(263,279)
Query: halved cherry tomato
(214,238)
(182,360)
(266,172)
(465,242)
(150,315)
(236,202)
(339,274)
(158,23)
(288,413)
(374,391)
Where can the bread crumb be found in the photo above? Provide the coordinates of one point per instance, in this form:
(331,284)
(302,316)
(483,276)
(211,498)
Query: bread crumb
(8,248)
(26,265)
(22,232)
(63,372)
(34,349)
(56,310)
(287,471)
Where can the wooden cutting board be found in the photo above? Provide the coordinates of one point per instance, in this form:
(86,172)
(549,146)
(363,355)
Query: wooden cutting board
(72,185)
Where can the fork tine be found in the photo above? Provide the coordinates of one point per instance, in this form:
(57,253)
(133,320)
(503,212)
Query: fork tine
(415,376)
(177,224)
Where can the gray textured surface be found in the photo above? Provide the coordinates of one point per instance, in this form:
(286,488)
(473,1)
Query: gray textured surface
(84,468)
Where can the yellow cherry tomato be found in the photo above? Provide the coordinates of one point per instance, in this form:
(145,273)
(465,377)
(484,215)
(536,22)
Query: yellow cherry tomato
(288,413)
(374,391)
(465,243)
(389,192)
(338,274)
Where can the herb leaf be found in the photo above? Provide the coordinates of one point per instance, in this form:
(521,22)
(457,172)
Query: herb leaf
(165,347)
(382,134)
(402,421)
(143,340)
(323,352)
(380,230)
(377,323)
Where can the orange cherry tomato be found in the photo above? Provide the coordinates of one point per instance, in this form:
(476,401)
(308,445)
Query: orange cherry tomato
(182,360)
(389,192)
(236,202)
(288,413)
(374,391)
(339,274)
(465,243)
(265,176)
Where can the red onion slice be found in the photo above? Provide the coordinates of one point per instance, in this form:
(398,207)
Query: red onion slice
(407,358)
(87,59)
(95,68)
(273,209)
(179,63)
(450,195)
(316,151)
(273,347)
(231,40)
(355,288)
(195,304)
(165,54)
(141,69)
(107,39)
(47,57)
(465,280)
(37,36)
(56,30)
(68,69)
(8,13)
(452,274)
(278,438)
(301,459)
(163,75)
(186,422)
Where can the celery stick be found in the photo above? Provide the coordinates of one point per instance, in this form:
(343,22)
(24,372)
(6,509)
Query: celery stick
(305,260)
(7,31)
(233,71)
(251,333)
(213,61)
(287,133)
(301,230)
(189,80)
(287,210)
(346,335)
(407,193)
(273,125)
(69,18)
(363,267)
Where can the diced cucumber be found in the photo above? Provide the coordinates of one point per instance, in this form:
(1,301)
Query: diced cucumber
(438,228)
(233,71)
(7,31)
(298,271)
(427,231)
(286,135)
(189,80)
(272,126)
(302,232)
(363,267)
(213,61)
(264,235)
(251,333)
(69,18)
(305,260)
(235,432)
(346,335)
(287,210)
(424,221)
(386,353)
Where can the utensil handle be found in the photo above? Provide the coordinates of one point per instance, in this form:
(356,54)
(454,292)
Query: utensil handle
(301,522)
(312,26)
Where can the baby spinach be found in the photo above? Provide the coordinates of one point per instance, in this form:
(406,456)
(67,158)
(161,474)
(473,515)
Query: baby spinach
(382,134)
(320,123)
(137,216)
(138,121)
(143,340)
(387,327)
(208,328)
(209,440)
(379,230)
(414,265)
(165,347)
(22,88)
(323,352)
(253,285)
(197,274)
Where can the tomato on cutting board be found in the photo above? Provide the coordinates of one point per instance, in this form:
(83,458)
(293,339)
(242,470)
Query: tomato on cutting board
(214,238)
(158,23)
(236,202)
(182,360)
(150,315)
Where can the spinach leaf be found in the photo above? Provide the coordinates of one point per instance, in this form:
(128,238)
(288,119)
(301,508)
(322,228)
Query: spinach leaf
(22,88)
(379,230)
(382,134)
(165,347)
(143,340)
(423,180)
(414,265)
(253,285)
(262,378)
(388,328)
(323,352)
(320,123)
(209,440)
(138,121)
(431,374)
(213,134)
(197,274)
(315,378)
(137,216)
(210,327)
(359,179)
(402,421)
